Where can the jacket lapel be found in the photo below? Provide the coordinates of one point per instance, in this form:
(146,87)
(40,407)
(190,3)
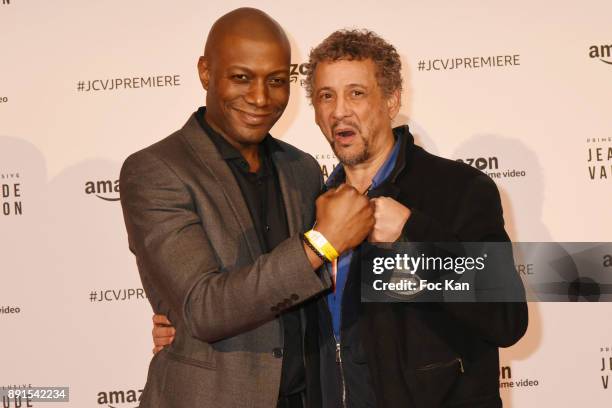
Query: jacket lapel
(286,178)
(389,187)
(211,160)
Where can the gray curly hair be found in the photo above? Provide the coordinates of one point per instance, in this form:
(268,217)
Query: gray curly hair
(358,45)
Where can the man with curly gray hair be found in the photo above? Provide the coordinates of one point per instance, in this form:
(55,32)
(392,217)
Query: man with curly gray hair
(402,354)
(344,47)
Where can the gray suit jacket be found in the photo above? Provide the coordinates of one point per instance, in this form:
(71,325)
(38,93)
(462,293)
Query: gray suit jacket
(201,264)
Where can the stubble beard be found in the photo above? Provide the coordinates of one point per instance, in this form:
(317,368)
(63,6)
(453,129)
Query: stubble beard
(352,159)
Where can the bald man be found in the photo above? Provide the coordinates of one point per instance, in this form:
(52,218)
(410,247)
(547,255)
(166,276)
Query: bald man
(215,215)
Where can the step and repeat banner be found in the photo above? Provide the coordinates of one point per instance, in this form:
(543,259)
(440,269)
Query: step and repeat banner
(520,90)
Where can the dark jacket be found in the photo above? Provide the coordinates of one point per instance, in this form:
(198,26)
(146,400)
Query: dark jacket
(425,355)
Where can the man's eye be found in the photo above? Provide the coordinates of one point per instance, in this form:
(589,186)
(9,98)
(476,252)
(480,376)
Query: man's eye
(277,81)
(358,93)
(325,96)
(240,77)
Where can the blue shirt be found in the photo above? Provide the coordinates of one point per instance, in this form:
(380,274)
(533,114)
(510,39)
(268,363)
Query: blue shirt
(334,299)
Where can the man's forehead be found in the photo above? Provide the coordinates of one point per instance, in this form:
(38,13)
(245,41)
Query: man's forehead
(254,52)
(345,71)
(240,46)
(234,40)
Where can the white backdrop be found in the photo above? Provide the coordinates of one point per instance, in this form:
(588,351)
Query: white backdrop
(71,306)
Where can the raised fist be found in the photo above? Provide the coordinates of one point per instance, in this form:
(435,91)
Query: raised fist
(344,217)
(390,216)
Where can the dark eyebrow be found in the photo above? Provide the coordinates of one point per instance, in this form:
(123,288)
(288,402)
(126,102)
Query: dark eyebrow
(250,71)
(239,67)
(279,71)
(325,88)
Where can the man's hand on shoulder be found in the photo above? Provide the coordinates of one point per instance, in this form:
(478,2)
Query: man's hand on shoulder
(163,332)
(390,216)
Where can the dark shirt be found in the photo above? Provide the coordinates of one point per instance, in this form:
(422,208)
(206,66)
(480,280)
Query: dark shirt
(262,194)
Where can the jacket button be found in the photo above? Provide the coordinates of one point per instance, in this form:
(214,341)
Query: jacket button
(277,352)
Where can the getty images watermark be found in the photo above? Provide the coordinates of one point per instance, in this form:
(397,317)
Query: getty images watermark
(410,265)
(486,272)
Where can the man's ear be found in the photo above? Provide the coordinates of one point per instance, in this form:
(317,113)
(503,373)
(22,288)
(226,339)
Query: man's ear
(394,103)
(203,71)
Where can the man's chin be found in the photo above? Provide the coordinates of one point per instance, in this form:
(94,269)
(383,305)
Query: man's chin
(350,158)
(252,136)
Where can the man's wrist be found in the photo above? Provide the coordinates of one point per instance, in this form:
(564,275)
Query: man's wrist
(313,258)
(313,249)
(320,245)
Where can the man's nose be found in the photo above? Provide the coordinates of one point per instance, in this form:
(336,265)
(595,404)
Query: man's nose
(341,109)
(258,94)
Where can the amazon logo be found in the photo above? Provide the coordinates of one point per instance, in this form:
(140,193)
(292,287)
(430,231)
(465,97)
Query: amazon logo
(601,52)
(296,71)
(106,190)
(114,398)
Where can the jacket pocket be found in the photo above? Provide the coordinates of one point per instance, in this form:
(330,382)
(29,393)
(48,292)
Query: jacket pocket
(191,361)
(432,383)
(444,364)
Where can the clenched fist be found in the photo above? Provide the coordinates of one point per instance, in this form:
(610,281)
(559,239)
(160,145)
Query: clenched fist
(344,217)
(390,217)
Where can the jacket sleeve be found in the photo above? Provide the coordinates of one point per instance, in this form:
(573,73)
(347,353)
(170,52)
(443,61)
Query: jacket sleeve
(177,261)
(478,218)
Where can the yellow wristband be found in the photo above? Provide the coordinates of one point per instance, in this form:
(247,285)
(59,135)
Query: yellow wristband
(322,244)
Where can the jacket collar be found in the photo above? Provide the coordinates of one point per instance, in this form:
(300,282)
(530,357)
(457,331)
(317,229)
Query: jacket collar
(211,159)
